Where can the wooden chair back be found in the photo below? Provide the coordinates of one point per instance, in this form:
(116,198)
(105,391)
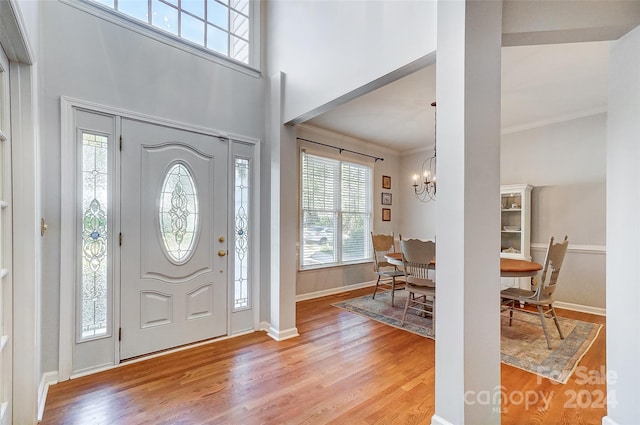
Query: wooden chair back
(382,245)
(551,269)
(416,257)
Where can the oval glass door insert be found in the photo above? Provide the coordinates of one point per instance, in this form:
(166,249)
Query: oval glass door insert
(178,213)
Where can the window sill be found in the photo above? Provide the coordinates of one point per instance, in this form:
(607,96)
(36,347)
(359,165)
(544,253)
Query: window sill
(333,266)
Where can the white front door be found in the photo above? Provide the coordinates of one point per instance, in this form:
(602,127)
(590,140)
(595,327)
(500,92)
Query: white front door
(174,224)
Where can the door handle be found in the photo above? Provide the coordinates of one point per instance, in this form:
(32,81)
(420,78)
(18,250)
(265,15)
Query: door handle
(222,253)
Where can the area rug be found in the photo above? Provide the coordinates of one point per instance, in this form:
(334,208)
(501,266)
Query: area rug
(522,345)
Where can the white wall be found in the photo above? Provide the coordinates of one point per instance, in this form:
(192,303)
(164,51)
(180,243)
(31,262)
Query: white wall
(623,237)
(93,60)
(330,48)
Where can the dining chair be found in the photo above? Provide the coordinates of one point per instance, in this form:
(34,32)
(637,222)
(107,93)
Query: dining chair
(541,296)
(417,257)
(387,272)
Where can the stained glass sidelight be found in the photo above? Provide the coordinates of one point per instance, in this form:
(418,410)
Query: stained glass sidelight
(241,216)
(95,243)
(178,213)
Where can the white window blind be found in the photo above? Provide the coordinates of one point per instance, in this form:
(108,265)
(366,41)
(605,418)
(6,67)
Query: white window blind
(335,211)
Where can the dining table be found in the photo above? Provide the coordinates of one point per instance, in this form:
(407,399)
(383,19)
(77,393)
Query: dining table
(509,267)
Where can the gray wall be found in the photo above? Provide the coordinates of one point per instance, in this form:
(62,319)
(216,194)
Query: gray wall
(565,162)
(93,60)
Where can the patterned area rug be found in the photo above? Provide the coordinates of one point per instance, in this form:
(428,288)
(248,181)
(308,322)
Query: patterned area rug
(522,345)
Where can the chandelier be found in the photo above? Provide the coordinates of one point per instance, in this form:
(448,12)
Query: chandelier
(424,185)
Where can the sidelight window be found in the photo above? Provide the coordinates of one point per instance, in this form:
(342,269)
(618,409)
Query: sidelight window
(95,240)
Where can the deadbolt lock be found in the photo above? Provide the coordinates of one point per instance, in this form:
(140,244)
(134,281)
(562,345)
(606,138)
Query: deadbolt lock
(221,239)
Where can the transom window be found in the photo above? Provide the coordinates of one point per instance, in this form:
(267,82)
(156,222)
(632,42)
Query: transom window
(335,212)
(218,25)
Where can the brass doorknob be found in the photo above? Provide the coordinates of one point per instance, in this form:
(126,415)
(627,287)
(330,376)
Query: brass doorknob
(222,253)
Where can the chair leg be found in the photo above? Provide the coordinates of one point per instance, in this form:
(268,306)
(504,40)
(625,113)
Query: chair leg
(433,316)
(544,326)
(376,288)
(393,289)
(406,306)
(555,319)
(510,313)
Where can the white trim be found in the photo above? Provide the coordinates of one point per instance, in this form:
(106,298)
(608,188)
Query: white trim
(606,420)
(142,28)
(13,36)
(333,291)
(577,249)
(437,420)
(48,379)
(554,120)
(599,311)
(67,240)
(264,326)
(281,335)
(125,113)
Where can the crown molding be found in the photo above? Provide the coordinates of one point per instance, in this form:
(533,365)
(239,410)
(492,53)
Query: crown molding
(555,120)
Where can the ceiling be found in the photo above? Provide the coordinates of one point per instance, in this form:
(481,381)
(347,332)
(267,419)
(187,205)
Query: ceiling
(540,85)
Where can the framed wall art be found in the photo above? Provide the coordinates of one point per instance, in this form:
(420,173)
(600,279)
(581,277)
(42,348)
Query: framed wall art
(386,214)
(385,199)
(386,182)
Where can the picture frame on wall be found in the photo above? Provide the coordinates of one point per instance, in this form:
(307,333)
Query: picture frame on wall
(385,198)
(386,214)
(386,182)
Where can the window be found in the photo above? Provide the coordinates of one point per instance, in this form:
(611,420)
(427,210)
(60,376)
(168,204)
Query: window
(95,241)
(178,213)
(335,212)
(241,197)
(218,25)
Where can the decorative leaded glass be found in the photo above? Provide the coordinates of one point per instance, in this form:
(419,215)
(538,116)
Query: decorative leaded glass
(241,217)
(94,297)
(178,213)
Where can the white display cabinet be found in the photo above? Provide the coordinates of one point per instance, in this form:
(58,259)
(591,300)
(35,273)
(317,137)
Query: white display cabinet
(515,227)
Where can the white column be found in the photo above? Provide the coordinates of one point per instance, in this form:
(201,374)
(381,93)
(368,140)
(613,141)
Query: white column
(282,148)
(468,199)
(623,232)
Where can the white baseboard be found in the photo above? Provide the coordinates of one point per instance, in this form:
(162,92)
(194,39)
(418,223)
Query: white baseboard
(47,379)
(333,291)
(581,308)
(608,421)
(284,334)
(264,326)
(437,420)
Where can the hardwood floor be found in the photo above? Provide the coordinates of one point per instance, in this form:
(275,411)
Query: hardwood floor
(343,369)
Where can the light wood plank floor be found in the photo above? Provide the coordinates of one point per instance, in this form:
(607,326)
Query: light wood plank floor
(343,369)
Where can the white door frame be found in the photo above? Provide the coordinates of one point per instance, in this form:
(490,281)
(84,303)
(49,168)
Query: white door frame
(68,263)
(25,191)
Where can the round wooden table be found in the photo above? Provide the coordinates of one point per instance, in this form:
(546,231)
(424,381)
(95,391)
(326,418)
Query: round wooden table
(509,267)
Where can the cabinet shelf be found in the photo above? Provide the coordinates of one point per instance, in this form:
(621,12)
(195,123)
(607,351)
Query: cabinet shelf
(515,221)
